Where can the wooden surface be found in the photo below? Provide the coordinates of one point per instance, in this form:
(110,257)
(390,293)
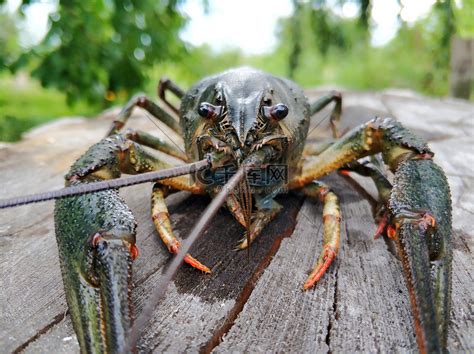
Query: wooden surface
(247,304)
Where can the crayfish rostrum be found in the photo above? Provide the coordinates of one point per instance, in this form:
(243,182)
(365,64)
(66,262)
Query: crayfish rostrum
(247,120)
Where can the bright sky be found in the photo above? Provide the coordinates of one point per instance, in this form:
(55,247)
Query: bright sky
(246,24)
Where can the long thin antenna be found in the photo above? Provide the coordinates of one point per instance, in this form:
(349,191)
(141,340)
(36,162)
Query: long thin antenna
(160,288)
(107,184)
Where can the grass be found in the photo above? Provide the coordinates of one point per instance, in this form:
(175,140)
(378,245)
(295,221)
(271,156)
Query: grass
(25,104)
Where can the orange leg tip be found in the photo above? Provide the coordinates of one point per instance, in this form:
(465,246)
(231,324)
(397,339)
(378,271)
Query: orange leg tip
(134,252)
(193,262)
(174,247)
(320,270)
(391,232)
(380,228)
(344,172)
(314,278)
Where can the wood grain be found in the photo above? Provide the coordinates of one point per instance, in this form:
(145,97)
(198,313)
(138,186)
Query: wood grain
(247,304)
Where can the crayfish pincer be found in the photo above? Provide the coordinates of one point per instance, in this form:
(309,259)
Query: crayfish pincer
(247,121)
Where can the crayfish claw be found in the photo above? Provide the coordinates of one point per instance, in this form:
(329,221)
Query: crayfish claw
(96,256)
(421,220)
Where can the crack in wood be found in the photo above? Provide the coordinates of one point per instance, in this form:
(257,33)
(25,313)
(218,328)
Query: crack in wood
(247,290)
(466,210)
(146,276)
(460,240)
(334,316)
(56,320)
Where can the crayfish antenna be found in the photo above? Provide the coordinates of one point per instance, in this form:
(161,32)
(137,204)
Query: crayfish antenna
(258,158)
(98,186)
(162,285)
(245,197)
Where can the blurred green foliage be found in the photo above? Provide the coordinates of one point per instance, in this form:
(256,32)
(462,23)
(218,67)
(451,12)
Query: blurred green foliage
(25,104)
(9,46)
(103,51)
(332,50)
(96,48)
(464,19)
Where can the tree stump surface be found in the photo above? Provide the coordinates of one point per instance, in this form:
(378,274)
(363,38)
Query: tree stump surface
(248,303)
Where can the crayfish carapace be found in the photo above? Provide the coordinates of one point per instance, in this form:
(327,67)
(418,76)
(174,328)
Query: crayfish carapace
(243,121)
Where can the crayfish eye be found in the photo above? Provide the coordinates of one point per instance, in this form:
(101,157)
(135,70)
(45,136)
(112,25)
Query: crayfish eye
(209,111)
(280,111)
(276,112)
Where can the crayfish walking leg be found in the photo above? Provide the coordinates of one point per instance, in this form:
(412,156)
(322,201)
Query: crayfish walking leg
(332,229)
(419,216)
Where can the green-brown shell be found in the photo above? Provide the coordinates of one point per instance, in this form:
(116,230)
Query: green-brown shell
(246,85)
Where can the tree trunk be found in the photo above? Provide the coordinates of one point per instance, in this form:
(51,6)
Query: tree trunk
(462,68)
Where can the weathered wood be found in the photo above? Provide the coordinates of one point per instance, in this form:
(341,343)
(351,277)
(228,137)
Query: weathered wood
(255,304)
(368,308)
(362,305)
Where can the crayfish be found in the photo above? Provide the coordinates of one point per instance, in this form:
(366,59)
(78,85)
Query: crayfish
(248,130)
